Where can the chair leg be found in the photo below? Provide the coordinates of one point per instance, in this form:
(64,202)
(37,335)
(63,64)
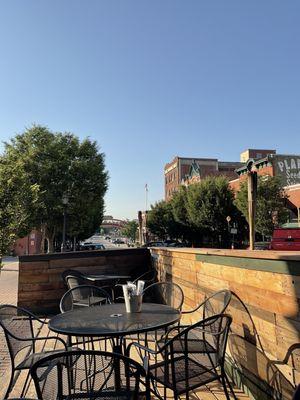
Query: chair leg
(10,384)
(165,392)
(230,387)
(223,381)
(25,384)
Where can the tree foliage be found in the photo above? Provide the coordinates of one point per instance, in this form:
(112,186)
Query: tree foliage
(197,213)
(270,206)
(17,197)
(161,222)
(209,202)
(130,230)
(58,165)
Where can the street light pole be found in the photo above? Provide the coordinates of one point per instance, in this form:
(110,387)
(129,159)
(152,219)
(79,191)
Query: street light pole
(65,201)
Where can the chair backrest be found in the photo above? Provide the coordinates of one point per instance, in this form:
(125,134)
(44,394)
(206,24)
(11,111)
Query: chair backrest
(149,277)
(168,293)
(208,336)
(83,296)
(217,303)
(73,278)
(17,324)
(79,373)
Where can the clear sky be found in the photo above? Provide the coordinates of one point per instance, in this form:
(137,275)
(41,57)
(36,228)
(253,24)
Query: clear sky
(150,80)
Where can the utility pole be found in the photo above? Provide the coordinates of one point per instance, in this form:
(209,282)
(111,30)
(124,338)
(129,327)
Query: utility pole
(252,192)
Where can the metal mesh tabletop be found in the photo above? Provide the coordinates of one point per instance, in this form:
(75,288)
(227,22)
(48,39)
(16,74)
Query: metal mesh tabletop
(113,320)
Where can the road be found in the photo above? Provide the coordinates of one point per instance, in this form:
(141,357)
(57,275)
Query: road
(108,244)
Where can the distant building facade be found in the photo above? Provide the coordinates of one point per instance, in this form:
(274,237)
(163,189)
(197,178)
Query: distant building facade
(185,171)
(256,154)
(112,226)
(286,167)
(27,245)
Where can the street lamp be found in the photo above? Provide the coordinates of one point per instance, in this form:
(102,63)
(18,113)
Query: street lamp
(65,201)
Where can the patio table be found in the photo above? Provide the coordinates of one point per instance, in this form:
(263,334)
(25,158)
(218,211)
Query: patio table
(103,277)
(112,321)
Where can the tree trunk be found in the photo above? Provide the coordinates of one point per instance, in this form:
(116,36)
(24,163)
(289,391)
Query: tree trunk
(49,235)
(42,245)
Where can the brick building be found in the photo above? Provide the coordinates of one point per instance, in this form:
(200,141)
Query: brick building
(30,244)
(185,171)
(285,166)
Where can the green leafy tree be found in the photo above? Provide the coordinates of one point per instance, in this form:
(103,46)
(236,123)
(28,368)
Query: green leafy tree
(59,165)
(178,202)
(208,204)
(270,206)
(17,197)
(161,222)
(130,230)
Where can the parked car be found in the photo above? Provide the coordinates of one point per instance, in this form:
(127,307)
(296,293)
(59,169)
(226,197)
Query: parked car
(118,241)
(154,244)
(261,245)
(174,243)
(92,246)
(286,239)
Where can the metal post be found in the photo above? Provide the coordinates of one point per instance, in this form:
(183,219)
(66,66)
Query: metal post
(252,190)
(63,248)
(65,201)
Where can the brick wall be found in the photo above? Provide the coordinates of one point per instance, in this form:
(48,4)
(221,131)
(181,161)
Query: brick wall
(40,283)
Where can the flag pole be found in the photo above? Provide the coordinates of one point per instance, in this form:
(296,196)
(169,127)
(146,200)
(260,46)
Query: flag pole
(146,193)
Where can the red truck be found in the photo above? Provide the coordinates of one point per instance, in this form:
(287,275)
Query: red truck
(286,239)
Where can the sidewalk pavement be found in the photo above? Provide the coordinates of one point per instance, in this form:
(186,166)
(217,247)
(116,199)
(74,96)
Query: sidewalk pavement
(8,295)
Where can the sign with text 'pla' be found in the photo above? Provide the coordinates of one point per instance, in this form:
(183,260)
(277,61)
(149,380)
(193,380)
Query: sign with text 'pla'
(288,168)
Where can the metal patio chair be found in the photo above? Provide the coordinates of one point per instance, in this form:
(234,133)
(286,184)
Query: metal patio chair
(215,304)
(73,278)
(148,277)
(168,293)
(83,296)
(187,371)
(20,334)
(89,375)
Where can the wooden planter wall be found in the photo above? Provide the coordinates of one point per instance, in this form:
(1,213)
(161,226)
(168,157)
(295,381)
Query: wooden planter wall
(264,349)
(40,283)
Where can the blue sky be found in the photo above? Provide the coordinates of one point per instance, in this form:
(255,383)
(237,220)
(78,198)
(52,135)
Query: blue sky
(153,79)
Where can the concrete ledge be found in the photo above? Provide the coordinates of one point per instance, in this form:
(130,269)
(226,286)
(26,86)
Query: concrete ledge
(83,254)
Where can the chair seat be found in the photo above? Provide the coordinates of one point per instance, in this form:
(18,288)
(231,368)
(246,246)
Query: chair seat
(91,301)
(193,346)
(122,395)
(198,374)
(33,358)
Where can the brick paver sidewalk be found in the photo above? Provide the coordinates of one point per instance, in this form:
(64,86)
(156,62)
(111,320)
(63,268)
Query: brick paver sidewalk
(8,295)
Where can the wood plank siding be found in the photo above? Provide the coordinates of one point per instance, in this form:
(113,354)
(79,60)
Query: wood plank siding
(264,348)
